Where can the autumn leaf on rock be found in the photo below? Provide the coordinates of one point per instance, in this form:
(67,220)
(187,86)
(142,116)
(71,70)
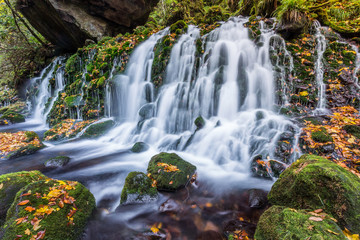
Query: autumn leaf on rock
(22,203)
(29,209)
(316,219)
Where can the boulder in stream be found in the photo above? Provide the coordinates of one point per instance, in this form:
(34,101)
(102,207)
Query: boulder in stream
(314,182)
(10,184)
(50,209)
(139,147)
(19,144)
(170,172)
(13,117)
(283,223)
(138,189)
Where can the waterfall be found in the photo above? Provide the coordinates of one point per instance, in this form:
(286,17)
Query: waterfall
(233,90)
(46,95)
(319,66)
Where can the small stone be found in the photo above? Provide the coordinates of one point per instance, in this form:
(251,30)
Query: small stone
(139,147)
(57,162)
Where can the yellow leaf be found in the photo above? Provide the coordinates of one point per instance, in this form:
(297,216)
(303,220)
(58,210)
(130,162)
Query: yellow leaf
(335,233)
(1,186)
(315,219)
(27,232)
(304,93)
(350,236)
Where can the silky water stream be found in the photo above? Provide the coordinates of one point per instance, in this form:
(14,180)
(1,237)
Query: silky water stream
(233,89)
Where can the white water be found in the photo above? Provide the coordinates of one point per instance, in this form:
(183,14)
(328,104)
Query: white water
(319,67)
(47,96)
(233,92)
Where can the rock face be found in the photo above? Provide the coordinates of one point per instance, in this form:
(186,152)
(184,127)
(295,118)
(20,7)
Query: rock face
(67,24)
(286,223)
(314,182)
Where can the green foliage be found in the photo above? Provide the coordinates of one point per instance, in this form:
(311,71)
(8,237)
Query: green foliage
(321,136)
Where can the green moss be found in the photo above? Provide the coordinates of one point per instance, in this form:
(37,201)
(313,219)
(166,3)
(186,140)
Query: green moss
(178,25)
(321,136)
(139,147)
(98,129)
(170,180)
(10,184)
(13,117)
(72,101)
(353,129)
(314,182)
(31,136)
(138,189)
(56,225)
(215,14)
(281,223)
(199,122)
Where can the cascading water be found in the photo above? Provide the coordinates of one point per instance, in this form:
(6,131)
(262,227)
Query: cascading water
(319,66)
(233,91)
(46,95)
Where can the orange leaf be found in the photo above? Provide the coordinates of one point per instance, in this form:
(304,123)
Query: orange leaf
(29,209)
(22,203)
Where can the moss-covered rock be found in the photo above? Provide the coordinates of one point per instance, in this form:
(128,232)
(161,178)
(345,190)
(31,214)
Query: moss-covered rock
(13,117)
(140,147)
(98,129)
(19,144)
(321,136)
(353,129)
(55,209)
(10,184)
(199,122)
(314,182)
(138,189)
(169,171)
(56,162)
(280,223)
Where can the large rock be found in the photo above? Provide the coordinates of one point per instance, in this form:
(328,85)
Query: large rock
(67,24)
(169,171)
(49,209)
(314,182)
(280,223)
(10,184)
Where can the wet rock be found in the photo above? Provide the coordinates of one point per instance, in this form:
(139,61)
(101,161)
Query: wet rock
(139,147)
(286,223)
(149,235)
(328,148)
(147,111)
(290,27)
(138,189)
(57,162)
(199,122)
(10,184)
(283,150)
(66,216)
(98,129)
(257,198)
(170,171)
(346,77)
(314,182)
(259,168)
(277,167)
(170,206)
(287,136)
(236,225)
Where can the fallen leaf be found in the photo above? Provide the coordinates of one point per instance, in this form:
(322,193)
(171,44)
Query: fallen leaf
(318,211)
(1,186)
(316,219)
(27,232)
(29,209)
(22,203)
(335,233)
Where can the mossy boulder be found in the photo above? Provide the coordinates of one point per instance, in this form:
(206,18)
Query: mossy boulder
(179,25)
(98,129)
(20,144)
(56,162)
(314,182)
(280,223)
(13,117)
(138,189)
(55,209)
(353,129)
(140,147)
(169,171)
(10,184)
